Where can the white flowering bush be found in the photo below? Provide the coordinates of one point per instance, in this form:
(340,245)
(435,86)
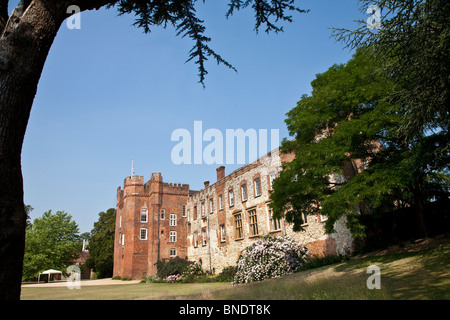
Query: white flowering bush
(270,257)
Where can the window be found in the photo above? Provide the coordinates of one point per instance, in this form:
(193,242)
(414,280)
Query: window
(123,239)
(189,214)
(183,211)
(144,215)
(173,252)
(231,197)
(244,192)
(203,209)
(222,233)
(211,205)
(220,202)
(143,234)
(238,226)
(195,239)
(163,214)
(172,236)
(271,178)
(257,187)
(275,224)
(204,236)
(173,220)
(120,221)
(253,220)
(195,212)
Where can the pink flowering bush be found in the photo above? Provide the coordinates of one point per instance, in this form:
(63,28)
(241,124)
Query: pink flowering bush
(270,257)
(174,278)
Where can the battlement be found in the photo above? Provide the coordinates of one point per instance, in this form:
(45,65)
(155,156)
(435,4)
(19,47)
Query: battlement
(133,181)
(175,188)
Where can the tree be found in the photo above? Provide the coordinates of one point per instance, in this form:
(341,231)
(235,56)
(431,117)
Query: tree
(52,242)
(348,157)
(101,244)
(413,46)
(26,38)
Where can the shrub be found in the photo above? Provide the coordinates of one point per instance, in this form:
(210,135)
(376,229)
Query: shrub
(227,274)
(171,266)
(270,257)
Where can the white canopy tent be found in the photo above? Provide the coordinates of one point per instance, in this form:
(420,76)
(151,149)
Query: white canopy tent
(49,272)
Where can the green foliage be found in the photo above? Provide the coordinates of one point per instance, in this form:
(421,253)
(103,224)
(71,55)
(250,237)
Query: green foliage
(172,266)
(101,244)
(227,274)
(345,118)
(51,243)
(413,47)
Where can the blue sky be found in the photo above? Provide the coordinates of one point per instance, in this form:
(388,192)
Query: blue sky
(110,94)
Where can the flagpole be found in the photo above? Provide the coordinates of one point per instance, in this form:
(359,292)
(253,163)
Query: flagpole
(132,169)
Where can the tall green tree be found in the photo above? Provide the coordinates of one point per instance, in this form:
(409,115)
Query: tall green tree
(412,45)
(25,40)
(101,244)
(347,118)
(52,242)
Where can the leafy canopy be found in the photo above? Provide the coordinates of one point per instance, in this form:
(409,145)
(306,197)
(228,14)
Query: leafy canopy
(51,243)
(348,157)
(101,244)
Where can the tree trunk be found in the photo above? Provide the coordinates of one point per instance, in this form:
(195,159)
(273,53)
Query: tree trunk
(24,47)
(419,207)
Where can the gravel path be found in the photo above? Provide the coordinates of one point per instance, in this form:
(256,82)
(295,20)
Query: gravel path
(99,282)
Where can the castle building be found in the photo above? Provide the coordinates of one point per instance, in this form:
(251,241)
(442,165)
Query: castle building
(150,225)
(212,226)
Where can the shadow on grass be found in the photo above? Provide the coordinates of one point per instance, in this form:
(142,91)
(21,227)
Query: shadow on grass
(410,275)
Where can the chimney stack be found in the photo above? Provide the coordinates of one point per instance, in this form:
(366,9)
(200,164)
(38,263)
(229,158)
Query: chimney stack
(206,184)
(220,172)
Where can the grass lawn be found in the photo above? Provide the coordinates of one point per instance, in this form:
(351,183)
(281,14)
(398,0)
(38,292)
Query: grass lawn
(407,275)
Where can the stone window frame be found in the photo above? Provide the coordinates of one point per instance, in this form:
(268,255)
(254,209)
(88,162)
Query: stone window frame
(145,215)
(253,221)
(173,220)
(204,237)
(172,236)
(223,234)
(273,222)
(143,236)
(231,197)
(211,205)
(238,225)
(220,202)
(195,239)
(242,185)
(255,178)
(162,214)
(172,252)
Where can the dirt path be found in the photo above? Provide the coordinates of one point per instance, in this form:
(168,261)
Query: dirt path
(98,282)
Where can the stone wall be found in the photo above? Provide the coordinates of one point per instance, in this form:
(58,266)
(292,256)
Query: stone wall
(223,233)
